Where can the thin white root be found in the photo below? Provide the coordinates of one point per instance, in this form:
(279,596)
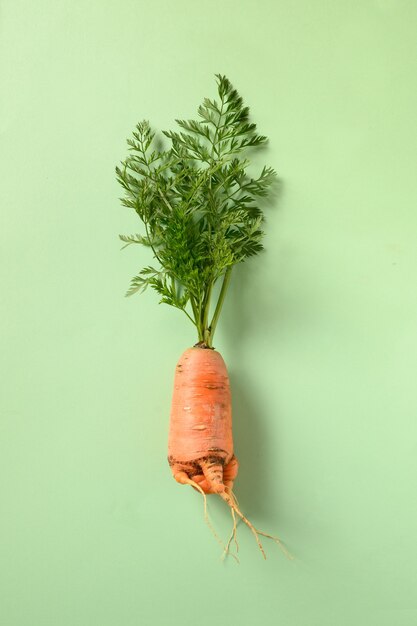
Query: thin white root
(278,542)
(234,531)
(232,493)
(207,519)
(232,536)
(231,501)
(233,496)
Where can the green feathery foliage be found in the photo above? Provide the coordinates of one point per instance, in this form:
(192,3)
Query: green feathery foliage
(197,203)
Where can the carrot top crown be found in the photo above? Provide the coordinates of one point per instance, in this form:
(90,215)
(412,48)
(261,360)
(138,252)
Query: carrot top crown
(198,205)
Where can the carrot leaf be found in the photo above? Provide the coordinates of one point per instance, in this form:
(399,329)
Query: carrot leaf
(199,206)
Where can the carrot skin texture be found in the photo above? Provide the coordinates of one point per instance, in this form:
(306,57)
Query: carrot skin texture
(201,414)
(200,431)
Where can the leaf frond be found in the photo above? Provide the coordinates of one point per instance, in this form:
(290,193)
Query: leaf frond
(200,207)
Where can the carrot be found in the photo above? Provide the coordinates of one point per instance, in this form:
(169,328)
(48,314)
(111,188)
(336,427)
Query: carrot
(200,441)
(202,216)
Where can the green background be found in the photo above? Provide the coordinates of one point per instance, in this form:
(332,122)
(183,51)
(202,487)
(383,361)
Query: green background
(319,333)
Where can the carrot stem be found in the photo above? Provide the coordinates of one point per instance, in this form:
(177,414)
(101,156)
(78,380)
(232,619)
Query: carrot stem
(197,318)
(217,311)
(206,313)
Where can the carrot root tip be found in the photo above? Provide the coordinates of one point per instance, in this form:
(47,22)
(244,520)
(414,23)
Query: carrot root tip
(212,481)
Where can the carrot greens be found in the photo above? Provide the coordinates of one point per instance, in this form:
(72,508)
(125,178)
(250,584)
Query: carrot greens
(198,204)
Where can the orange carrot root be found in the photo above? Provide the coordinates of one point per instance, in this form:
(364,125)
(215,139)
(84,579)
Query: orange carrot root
(200,442)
